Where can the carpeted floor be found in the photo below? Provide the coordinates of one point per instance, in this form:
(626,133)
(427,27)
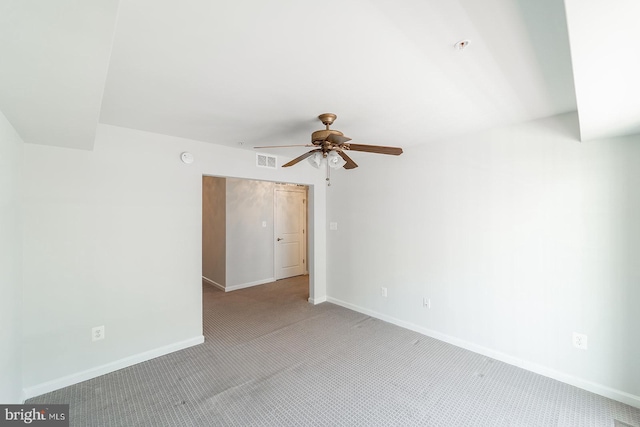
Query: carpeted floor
(272,359)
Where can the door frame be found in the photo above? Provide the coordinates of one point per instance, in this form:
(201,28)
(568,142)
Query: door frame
(316,236)
(293,188)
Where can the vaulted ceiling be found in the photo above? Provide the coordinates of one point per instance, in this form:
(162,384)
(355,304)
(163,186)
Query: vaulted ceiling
(259,73)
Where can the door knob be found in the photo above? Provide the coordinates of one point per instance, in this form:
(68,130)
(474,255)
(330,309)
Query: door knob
(280,239)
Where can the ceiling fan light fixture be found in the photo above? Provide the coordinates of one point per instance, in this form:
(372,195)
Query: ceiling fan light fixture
(335,160)
(316,160)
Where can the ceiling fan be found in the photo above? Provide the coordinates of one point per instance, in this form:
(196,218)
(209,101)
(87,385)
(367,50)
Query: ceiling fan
(330,146)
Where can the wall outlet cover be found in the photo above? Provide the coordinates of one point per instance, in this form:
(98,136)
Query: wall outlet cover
(580,341)
(97,333)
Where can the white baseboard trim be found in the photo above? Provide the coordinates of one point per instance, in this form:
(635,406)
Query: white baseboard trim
(600,389)
(249,284)
(213,283)
(46,387)
(316,301)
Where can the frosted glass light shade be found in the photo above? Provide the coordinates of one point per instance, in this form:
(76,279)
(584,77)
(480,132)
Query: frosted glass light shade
(335,160)
(316,160)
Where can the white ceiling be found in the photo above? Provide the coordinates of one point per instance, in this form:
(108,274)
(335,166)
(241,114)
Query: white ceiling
(260,72)
(54,57)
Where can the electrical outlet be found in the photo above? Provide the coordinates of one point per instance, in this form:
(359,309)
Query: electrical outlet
(580,341)
(383,291)
(426,302)
(97,333)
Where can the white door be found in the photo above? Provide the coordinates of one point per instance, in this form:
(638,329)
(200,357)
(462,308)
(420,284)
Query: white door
(290,216)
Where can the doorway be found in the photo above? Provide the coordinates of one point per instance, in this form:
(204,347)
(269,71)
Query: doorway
(239,242)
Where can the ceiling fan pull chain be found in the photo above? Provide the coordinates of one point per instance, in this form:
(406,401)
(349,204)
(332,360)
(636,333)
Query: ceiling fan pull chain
(328,175)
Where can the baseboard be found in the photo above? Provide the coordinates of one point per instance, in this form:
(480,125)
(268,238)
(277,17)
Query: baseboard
(600,389)
(249,284)
(316,301)
(213,283)
(76,378)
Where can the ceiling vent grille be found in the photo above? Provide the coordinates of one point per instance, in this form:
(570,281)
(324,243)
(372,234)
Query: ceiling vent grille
(265,161)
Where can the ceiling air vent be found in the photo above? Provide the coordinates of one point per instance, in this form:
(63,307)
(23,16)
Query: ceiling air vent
(265,161)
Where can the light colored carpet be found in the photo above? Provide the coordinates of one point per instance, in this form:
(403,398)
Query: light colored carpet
(272,359)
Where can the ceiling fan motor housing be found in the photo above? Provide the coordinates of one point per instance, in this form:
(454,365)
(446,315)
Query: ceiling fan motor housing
(327,119)
(321,135)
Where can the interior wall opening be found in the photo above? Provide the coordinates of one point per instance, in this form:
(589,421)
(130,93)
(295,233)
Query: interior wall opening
(254,232)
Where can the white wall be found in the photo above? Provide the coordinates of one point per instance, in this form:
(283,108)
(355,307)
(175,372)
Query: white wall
(519,236)
(11,161)
(113,237)
(249,245)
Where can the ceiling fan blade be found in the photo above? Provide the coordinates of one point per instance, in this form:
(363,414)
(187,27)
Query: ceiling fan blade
(337,139)
(281,146)
(350,163)
(380,149)
(300,158)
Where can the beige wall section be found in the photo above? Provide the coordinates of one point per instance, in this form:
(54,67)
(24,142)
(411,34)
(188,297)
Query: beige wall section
(249,233)
(214,230)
